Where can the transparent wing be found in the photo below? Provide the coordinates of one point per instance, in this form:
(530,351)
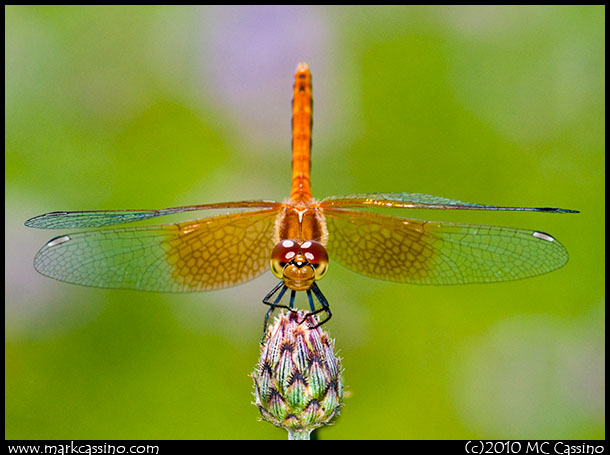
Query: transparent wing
(421,201)
(423,252)
(100,218)
(209,253)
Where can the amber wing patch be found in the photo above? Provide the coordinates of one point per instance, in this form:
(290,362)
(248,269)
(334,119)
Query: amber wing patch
(209,253)
(422,252)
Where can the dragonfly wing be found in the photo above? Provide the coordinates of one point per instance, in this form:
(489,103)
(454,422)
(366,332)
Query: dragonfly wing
(209,253)
(421,201)
(101,218)
(423,252)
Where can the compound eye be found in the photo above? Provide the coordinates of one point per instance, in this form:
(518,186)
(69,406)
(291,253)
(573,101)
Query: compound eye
(281,255)
(316,255)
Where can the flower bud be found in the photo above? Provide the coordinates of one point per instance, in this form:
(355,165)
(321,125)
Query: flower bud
(297,383)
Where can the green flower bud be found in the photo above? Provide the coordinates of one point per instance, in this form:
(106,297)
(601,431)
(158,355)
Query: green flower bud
(297,383)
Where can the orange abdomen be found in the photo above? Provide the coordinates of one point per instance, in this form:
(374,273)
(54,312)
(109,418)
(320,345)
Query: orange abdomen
(302,109)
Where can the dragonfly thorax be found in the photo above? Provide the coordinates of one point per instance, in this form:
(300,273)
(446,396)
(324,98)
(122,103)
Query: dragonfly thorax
(301,222)
(299,264)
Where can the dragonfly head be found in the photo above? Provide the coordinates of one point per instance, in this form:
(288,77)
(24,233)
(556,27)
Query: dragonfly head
(299,264)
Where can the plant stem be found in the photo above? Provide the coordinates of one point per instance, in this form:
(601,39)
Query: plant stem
(294,435)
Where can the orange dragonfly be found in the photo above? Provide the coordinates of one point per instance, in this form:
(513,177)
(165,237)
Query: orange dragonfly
(295,237)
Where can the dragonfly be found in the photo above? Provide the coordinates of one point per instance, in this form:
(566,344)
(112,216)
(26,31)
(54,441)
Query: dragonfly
(294,238)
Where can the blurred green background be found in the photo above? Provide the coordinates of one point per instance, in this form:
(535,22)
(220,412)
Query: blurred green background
(151,107)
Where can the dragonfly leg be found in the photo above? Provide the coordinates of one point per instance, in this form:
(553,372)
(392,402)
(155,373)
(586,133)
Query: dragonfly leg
(292,295)
(282,290)
(273,304)
(324,308)
(267,316)
(274,297)
(312,306)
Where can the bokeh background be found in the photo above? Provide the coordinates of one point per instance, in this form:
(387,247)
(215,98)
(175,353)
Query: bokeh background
(151,107)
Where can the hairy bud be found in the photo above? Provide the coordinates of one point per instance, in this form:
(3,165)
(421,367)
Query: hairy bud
(297,382)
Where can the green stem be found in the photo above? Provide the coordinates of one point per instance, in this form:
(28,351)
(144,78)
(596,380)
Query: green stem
(297,435)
